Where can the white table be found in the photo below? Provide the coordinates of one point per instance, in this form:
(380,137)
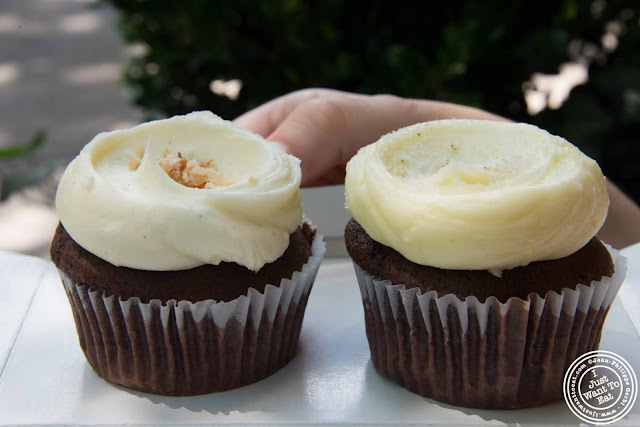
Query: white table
(44,378)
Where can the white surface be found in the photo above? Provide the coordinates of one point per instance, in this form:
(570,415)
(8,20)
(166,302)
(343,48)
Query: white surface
(331,380)
(630,292)
(19,289)
(326,208)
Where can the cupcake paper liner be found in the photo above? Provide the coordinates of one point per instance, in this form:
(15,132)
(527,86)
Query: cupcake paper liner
(484,354)
(184,348)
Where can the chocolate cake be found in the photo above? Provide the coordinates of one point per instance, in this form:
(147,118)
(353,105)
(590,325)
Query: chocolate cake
(518,359)
(592,262)
(224,282)
(149,353)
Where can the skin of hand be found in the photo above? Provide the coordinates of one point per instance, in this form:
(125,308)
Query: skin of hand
(324,128)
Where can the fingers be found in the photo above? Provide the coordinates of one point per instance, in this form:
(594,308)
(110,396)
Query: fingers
(325,128)
(313,132)
(325,132)
(264,119)
(260,119)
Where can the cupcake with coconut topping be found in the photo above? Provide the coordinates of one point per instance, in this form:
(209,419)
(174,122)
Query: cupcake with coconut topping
(184,255)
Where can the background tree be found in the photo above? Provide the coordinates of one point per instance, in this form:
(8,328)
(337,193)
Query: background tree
(482,54)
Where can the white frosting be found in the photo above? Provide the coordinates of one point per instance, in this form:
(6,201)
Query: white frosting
(144,219)
(476,195)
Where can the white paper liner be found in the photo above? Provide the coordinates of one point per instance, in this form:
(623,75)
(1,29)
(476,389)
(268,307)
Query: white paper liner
(583,307)
(114,333)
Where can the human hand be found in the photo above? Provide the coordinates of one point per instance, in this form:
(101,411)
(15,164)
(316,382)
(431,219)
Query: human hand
(324,128)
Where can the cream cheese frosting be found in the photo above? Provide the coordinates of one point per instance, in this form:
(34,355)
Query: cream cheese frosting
(476,195)
(182,192)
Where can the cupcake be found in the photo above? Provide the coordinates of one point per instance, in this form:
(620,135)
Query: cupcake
(182,250)
(474,249)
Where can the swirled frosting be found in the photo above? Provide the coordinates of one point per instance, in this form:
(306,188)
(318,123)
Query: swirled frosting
(476,195)
(182,192)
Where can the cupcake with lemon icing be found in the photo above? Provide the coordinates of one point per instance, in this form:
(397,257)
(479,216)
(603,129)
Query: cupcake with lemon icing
(473,244)
(184,255)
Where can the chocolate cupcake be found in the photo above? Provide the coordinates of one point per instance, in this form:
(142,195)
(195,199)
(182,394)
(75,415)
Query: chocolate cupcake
(184,255)
(473,244)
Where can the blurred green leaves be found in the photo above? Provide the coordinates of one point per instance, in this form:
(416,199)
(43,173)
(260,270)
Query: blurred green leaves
(17,150)
(33,176)
(475,53)
(13,182)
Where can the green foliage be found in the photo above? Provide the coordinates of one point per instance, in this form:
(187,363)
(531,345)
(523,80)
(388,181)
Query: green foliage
(475,53)
(16,181)
(32,176)
(18,150)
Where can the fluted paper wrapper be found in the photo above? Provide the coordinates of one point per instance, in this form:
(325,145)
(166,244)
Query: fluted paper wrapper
(184,348)
(484,354)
